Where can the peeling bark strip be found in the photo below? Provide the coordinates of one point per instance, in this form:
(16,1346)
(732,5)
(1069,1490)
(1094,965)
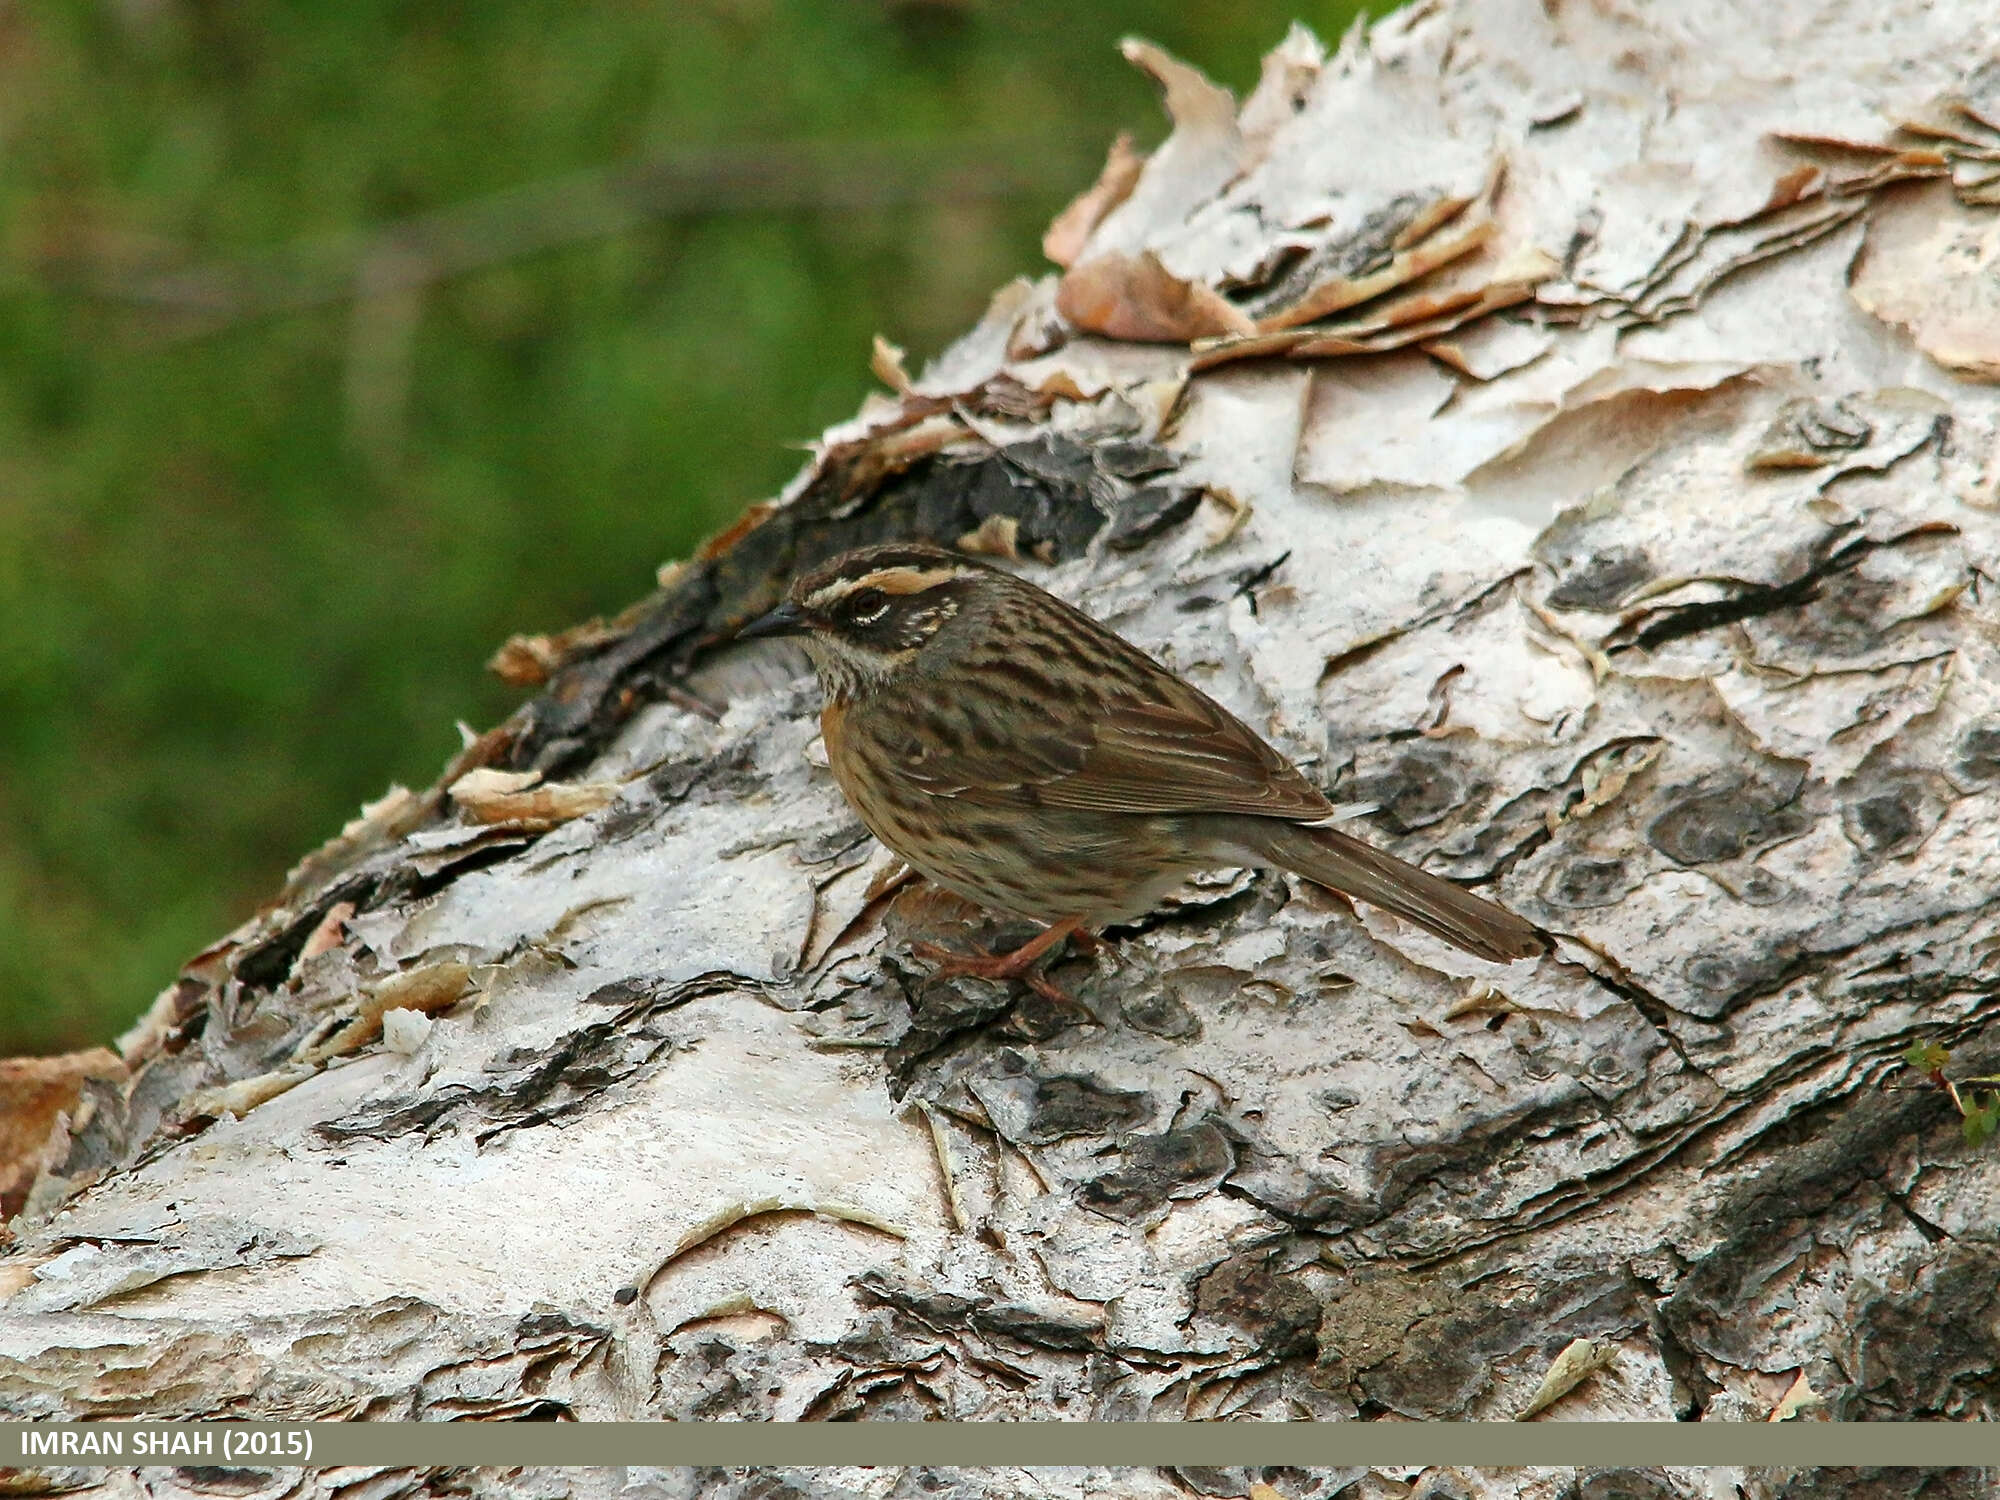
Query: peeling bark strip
(1571,433)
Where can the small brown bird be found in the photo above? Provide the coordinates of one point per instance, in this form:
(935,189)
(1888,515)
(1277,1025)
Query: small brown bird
(1015,751)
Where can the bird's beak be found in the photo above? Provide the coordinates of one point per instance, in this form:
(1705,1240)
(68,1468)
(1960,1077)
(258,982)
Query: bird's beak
(786,619)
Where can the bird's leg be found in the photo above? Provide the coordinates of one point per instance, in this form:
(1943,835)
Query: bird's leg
(1018,964)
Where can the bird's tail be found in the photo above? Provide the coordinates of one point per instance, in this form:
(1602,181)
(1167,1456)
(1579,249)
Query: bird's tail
(1340,860)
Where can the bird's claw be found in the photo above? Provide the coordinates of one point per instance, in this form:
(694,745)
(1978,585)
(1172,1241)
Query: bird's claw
(1019,964)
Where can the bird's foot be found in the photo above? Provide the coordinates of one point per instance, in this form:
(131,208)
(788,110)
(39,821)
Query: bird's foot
(1019,964)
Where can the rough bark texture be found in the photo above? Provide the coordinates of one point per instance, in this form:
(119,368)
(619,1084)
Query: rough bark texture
(1562,427)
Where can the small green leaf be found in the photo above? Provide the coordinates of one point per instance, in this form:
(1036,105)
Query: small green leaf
(1926,1057)
(1982,1118)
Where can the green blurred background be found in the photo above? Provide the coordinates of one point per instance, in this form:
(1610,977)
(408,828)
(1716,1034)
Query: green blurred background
(258,534)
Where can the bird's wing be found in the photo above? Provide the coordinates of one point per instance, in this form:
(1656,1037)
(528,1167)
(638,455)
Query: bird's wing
(1105,729)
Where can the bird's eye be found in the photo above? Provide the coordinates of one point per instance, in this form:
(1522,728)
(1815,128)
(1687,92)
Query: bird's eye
(866,606)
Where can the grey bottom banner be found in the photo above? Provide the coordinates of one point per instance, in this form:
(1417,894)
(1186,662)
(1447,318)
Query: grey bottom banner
(991,1444)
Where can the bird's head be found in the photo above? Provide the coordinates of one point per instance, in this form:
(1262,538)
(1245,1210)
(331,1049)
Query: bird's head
(867,615)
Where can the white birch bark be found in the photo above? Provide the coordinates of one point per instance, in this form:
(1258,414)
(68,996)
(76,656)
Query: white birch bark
(1568,428)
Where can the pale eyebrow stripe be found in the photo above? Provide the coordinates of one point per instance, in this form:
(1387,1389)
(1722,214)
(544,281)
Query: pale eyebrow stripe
(900,581)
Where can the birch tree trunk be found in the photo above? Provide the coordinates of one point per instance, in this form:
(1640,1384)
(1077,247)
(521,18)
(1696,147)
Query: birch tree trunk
(1568,429)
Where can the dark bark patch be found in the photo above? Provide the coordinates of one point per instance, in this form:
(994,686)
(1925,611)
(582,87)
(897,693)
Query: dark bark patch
(1873,1484)
(941,1011)
(1979,752)
(535,1086)
(214,1480)
(1602,580)
(1158,1012)
(1148,513)
(1249,1292)
(1159,1168)
(1076,1104)
(1723,980)
(1582,884)
(1931,1350)
(1441,1359)
(1819,1184)
(269,963)
(1825,559)
(1419,789)
(952,1312)
(1130,458)
(1707,826)
(1894,819)
(1027,1325)
(1624,1484)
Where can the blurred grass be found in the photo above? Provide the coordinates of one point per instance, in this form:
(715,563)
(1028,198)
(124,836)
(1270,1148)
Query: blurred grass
(250,568)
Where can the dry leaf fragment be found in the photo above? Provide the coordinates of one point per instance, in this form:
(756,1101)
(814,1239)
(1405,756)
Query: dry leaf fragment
(941,1144)
(1071,229)
(427,990)
(330,934)
(245,1094)
(490,781)
(1580,1360)
(996,536)
(1604,779)
(1194,101)
(1420,316)
(1479,998)
(1135,297)
(1799,1397)
(1800,182)
(895,873)
(520,798)
(1463,233)
(1223,512)
(885,362)
(530,660)
(34,1091)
